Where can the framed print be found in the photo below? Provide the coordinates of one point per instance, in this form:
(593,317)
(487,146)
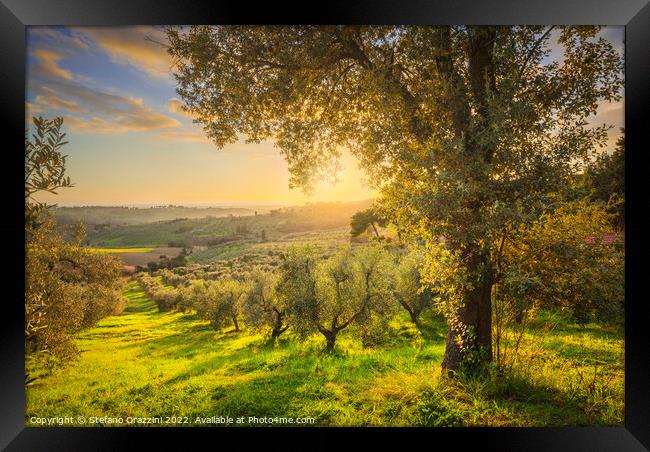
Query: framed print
(411,219)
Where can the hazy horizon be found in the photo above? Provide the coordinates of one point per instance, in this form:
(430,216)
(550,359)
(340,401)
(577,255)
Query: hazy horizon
(239,204)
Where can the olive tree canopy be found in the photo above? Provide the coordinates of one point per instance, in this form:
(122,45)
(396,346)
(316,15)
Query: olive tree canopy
(465,130)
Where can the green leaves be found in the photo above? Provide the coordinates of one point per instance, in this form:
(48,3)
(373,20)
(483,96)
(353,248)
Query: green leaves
(68,288)
(364,219)
(468,132)
(44,165)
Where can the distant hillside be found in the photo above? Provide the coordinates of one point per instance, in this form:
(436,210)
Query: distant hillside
(120,216)
(322,215)
(227,229)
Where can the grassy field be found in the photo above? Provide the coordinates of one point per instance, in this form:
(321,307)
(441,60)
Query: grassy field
(144,363)
(329,239)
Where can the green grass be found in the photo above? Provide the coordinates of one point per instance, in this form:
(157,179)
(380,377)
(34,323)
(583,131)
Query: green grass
(121,250)
(145,363)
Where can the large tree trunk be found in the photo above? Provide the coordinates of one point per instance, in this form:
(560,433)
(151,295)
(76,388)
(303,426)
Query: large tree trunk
(476,312)
(476,316)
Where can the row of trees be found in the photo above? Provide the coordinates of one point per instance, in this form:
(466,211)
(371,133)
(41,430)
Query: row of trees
(358,288)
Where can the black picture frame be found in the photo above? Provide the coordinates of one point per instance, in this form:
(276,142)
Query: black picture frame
(15,15)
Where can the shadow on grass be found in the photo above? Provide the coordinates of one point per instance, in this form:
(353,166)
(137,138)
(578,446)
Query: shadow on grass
(264,376)
(143,305)
(263,396)
(188,317)
(433,328)
(520,399)
(271,343)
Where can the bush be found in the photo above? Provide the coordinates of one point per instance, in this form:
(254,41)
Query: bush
(68,288)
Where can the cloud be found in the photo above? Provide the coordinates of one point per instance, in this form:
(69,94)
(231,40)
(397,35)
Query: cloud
(31,110)
(58,37)
(130,46)
(107,112)
(176,106)
(48,64)
(610,113)
(143,121)
(49,98)
(88,109)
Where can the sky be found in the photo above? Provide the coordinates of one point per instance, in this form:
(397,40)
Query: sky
(130,143)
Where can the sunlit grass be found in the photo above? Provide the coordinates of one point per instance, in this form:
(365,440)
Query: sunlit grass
(145,363)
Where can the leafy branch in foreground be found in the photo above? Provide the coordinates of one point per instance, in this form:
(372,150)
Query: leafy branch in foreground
(44,164)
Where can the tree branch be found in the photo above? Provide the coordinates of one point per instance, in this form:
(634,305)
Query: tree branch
(530,52)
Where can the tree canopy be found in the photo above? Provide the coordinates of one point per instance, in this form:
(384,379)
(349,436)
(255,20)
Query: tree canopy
(365,219)
(466,131)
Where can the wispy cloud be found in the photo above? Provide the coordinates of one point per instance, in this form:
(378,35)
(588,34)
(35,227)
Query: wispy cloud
(49,98)
(48,64)
(136,120)
(133,46)
(59,37)
(31,110)
(102,112)
(611,113)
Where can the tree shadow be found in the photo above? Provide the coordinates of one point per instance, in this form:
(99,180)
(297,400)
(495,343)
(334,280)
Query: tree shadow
(534,403)
(262,396)
(135,306)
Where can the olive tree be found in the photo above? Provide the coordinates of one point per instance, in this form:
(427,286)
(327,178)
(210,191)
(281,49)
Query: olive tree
(606,177)
(362,220)
(67,286)
(558,262)
(224,303)
(561,261)
(261,305)
(329,295)
(410,291)
(44,165)
(464,130)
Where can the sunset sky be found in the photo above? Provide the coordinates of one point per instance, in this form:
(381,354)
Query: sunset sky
(130,143)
